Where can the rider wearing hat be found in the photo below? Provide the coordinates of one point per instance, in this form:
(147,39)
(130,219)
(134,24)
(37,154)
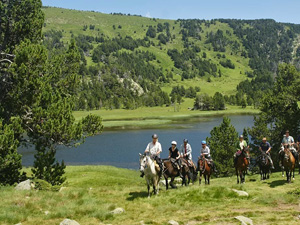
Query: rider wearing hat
(205,151)
(186,150)
(287,141)
(154,149)
(174,155)
(241,145)
(265,147)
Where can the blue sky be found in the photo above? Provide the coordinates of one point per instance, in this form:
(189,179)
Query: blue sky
(280,10)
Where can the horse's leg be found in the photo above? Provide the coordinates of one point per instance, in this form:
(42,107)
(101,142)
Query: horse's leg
(205,178)
(172,182)
(200,176)
(237,175)
(208,178)
(242,177)
(167,184)
(148,190)
(294,173)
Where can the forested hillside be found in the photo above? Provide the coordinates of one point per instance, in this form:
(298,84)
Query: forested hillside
(128,61)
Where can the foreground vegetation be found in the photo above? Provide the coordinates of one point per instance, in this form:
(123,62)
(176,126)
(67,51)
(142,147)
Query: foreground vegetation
(93,191)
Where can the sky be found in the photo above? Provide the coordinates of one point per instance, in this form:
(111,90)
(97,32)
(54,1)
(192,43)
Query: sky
(279,10)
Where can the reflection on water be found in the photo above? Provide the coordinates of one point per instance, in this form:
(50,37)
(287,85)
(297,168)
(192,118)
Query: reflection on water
(120,148)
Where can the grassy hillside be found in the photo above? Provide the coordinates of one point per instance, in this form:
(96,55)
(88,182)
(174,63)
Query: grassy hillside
(93,191)
(71,22)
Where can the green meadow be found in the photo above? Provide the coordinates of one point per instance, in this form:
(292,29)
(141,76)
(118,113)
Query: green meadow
(92,192)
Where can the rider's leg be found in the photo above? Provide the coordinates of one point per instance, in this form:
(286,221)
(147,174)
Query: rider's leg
(159,162)
(271,161)
(142,174)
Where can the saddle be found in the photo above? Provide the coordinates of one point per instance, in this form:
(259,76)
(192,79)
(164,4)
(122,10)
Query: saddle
(157,168)
(175,163)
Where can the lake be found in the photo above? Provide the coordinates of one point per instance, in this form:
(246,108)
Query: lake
(121,148)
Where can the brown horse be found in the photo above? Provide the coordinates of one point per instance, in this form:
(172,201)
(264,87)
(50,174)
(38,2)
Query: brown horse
(171,171)
(192,175)
(241,165)
(204,169)
(288,164)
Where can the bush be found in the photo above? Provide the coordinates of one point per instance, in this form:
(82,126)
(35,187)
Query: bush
(43,185)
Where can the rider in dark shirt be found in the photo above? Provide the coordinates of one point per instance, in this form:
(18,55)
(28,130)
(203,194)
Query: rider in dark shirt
(175,155)
(266,148)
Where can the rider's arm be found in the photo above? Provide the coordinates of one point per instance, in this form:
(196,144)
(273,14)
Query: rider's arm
(147,148)
(159,149)
(169,154)
(178,155)
(189,150)
(269,149)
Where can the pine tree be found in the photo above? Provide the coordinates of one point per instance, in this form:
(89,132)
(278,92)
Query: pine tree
(222,145)
(10,159)
(279,110)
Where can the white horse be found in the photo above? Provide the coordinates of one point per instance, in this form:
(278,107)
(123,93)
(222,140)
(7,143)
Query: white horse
(147,165)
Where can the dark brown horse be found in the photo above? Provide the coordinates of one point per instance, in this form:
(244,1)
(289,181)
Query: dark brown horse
(288,164)
(171,171)
(192,175)
(264,166)
(204,169)
(241,165)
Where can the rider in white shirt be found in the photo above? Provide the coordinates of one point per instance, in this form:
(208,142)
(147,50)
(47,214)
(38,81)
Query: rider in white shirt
(186,150)
(154,149)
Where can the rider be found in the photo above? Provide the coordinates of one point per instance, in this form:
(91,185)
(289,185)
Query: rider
(241,145)
(289,142)
(265,147)
(186,151)
(154,149)
(205,151)
(174,154)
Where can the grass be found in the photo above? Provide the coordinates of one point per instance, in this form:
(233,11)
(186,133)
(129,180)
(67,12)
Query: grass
(150,117)
(93,191)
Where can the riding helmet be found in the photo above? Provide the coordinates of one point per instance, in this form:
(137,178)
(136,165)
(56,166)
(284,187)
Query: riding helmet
(174,143)
(185,140)
(154,136)
(203,142)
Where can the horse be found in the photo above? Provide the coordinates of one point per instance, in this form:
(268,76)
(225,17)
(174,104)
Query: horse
(204,169)
(264,166)
(171,171)
(150,169)
(241,165)
(288,164)
(192,175)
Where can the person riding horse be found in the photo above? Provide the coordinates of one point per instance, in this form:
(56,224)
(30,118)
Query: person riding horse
(241,145)
(154,149)
(265,147)
(186,151)
(287,142)
(205,151)
(174,156)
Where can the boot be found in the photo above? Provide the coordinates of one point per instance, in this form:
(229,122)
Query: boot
(142,174)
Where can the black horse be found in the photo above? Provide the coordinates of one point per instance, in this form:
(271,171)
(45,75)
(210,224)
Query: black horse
(264,166)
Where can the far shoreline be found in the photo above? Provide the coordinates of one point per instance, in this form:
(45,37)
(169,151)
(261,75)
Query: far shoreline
(149,118)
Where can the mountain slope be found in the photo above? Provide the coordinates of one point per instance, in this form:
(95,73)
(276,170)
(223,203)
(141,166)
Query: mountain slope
(216,55)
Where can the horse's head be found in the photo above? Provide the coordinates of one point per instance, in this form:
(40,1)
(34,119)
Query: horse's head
(143,162)
(287,153)
(246,153)
(263,159)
